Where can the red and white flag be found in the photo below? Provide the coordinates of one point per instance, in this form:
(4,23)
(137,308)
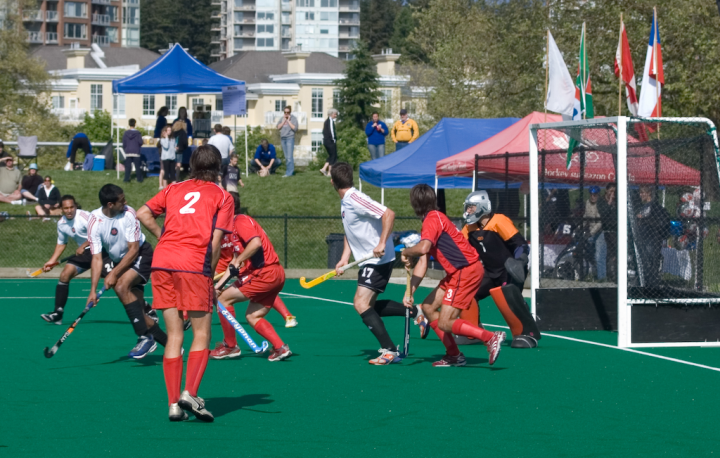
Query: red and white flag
(653,76)
(623,60)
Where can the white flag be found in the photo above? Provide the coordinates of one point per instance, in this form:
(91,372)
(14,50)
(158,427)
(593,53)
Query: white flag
(561,87)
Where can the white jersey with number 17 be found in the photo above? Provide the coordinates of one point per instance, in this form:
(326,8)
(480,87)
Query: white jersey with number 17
(114,234)
(362,220)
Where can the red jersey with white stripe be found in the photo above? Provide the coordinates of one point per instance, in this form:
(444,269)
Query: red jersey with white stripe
(227,250)
(193,210)
(114,234)
(449,246)
(246,229)
(362,220)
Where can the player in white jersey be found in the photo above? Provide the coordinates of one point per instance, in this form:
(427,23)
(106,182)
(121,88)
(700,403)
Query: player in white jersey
(368,226)
(73,225)
(115,229)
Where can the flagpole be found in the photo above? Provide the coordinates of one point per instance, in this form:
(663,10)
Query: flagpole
(547,68)
(620,80)
(583,76)
(657,80)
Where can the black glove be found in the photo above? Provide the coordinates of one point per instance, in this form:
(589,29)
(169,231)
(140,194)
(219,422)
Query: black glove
(234,272)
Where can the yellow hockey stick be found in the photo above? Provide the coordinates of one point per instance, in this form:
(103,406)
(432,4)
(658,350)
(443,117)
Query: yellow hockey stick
(331,274)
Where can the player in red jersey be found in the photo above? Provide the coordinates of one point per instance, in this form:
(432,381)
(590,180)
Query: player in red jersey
(260,280)
(445,243)
(197,214)
(228,347)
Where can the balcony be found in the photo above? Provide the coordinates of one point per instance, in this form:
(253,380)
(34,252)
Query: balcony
(286,33)
(350,8)
(245,8)
(215,39)
(35,37)
(216,15)
(287,6)
(246,20)
(215,2)
(51,37)
(101,40)
(346,35)
(286,20)
(245,33)
(215,53)
(101,2)
(345,21)
(51,16)
(272,118)
(101,19)
(69,114)
(29,16)
(215,27)
(344,48)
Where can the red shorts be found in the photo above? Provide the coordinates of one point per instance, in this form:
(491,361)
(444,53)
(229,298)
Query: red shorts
(461,286)
(263,285)
(182,290)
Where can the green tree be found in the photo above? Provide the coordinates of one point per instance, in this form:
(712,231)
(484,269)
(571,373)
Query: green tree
(187,22)
(376,22)
(400,42)
(359,89)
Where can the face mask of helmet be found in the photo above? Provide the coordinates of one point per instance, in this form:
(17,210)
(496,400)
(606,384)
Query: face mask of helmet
(476,205)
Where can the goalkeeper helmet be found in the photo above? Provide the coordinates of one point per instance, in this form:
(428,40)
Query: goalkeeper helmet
(481,203)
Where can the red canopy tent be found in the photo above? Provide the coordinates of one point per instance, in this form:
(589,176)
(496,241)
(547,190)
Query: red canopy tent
(599,166)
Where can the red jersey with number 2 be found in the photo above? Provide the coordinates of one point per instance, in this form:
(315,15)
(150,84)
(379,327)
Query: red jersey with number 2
(245,229)
(449,246)
(193,210)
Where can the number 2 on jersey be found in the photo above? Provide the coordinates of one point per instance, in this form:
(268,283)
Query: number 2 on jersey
(193,197)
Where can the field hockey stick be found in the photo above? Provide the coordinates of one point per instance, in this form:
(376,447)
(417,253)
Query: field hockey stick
(331,274)
(406,337)
(239,329)
(41,270)
(50,352)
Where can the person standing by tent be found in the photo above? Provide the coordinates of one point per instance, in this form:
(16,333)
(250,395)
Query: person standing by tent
(183,116)
(79,141)
(404,131)
(376,132)
(132,144)
(161,121)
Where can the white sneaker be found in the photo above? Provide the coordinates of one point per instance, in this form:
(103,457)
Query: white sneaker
(386,357)
(16,202)
(177,413)
(291,322)
(196,405)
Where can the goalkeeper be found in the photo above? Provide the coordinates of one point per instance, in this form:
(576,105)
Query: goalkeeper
(504,254)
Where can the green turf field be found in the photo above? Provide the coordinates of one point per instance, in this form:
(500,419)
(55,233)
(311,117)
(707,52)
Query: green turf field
(563,399)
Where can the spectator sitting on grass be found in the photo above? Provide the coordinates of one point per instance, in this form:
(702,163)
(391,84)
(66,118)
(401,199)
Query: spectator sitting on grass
(48,199)
(10,183)
(265,161)
(30,183)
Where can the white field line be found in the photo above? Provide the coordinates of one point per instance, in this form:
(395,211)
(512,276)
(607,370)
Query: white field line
(644,353)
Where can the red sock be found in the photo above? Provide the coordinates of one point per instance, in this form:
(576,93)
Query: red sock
(447,339)
(265,329)
(173,369)
(279,305)
(463,328)
(229,335)
(197,362)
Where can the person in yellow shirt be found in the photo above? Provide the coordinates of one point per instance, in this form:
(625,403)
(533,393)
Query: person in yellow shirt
(404,131)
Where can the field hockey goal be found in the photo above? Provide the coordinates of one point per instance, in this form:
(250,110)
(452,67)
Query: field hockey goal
(626,232)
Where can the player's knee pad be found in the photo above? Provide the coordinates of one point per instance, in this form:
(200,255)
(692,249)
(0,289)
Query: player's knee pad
(514,310)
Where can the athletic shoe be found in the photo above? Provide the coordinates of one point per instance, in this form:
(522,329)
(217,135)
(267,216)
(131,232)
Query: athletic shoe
(493,346)
(290,321)
(53,317)
(145,345)
(151,312)
(177,413)
(222,351)
(278,354)
(449,361)
(187,324)
(16,202)
(423,324)
(196,405)
(386,357)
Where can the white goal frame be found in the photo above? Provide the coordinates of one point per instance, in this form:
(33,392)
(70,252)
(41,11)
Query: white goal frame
(624,305)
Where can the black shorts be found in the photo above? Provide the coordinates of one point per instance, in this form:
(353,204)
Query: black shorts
(375,276)
(84,262)
(488,283)
(168,167)
(143,263)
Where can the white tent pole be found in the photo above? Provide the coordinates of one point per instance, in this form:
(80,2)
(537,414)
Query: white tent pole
(382,196)
(360,181)
(473,185)
(525,215)
(436,183)
(247,169)
(534,223)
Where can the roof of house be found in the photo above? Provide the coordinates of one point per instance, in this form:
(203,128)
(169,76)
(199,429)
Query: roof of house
(257,66)
(55,59)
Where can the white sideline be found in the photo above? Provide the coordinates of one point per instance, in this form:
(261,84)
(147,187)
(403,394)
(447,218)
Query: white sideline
(666,358)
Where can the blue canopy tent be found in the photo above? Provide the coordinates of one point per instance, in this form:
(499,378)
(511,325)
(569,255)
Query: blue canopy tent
(175,72)
(415,163)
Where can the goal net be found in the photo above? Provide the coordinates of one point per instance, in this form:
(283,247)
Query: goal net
(627,227)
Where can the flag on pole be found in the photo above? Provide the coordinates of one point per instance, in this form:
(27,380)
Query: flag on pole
(583,106)
(653,76)
(561,89)
(624,59)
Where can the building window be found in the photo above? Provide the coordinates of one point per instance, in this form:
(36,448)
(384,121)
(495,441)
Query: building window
(317,103)
(195,102)
(96,97)
(58,101)
(131,16)
(148,105)
(306,3)
(238,16)
(265,15)
(265,3)
(75,30)
(316,137)
(75,9)
(336,98)
(112,34)
(238,3)
(305,16)
(323,31)
(329,16)
(238,43)
(218,103)
(386,103)
(171,104)
(265,28)
(328,3)
(112,11)
(119,105)
(285,17)
(265,42)
(280,105)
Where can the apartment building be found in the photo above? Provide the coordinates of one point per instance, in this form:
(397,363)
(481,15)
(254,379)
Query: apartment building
(106,23)
(328,26)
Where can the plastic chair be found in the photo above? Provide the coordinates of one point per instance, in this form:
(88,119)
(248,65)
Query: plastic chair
(28,150)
